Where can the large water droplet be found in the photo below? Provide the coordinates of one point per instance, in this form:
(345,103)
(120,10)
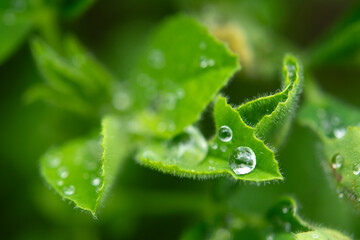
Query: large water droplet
(63,172)
(69,190)
(242,160)
(156,59)
(356,169)
(225,134)
(337,161)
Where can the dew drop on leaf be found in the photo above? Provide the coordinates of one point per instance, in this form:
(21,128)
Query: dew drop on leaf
(121,101)
(339,132)
(337,161)
(223,148)
(356,169)
(225,134)
(60,182)
(242,160)
(53,161)
(96,182)
(315,236)
(69,190)
(214,146)
(63,172)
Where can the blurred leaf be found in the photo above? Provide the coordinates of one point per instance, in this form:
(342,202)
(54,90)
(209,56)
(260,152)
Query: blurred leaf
(72,9)
(341,44)
(271,116)
(75,80)
(16,21)
(337,126)
(83,170)
(285,220)
(183,61)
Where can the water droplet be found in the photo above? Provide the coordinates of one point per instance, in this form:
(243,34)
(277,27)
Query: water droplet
(337,161)
(156,59)
(121,100)
(341,194)
(270,237)
(202,46)
(242,160)
(205,62)
(63,172)
(225,134)
(9,18)
(339,132)
(212,168)
(211,62)
(214,146)
(69,190)
(285,210)
(95,182)
(60,182)
(315,236)
(356,169)
(223,148)
(53,161)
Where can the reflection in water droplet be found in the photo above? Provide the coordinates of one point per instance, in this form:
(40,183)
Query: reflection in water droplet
(63,172)
(95,182)
(339,132)
(356,169)
(242,160)
(156,59)
(9,18)
(69,190)
(337,161)
(225,133)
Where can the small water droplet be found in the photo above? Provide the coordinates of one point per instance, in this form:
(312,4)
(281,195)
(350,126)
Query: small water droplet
(225,133)
(214,146)
(315,236)
(95,182)
(356,169)
(9,18)
(337,161)
(202,46)
(211,62)
(53,161)
(341,194)
(205,62)
(339,132)
(242,160)
(156,59)
(121,100)
(285,210)
(60,182)
(69,190)
(223,148)
(270,237)
(63,172)
(212,168)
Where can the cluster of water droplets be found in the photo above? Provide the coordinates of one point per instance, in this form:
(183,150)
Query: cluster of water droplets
(331,123)
(242,159)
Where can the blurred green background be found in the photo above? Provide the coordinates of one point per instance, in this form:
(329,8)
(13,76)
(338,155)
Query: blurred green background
(145,204)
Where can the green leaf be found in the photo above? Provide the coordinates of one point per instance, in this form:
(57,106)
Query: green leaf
(15,23)
(272,115)
(178,76)
(83,170)
(74,81)
(337,126)
(185,154)
(265,118)
(284,218)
